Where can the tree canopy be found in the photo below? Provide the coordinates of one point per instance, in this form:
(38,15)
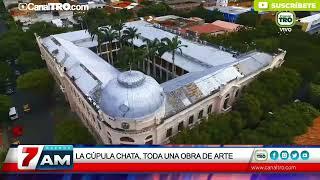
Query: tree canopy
(72,132)
(5,104)
(30,60)
(37,81)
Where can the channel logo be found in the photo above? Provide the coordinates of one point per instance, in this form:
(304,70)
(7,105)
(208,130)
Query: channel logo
(22,6)
(45,157)
(286,19)
(261,155)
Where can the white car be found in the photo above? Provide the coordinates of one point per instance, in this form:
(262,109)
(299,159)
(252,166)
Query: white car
(13,114)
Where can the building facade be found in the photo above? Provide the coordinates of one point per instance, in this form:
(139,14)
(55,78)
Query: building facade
(131,107)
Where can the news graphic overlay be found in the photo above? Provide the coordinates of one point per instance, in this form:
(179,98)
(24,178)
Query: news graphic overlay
(111,159)
(286,5)
(45,157)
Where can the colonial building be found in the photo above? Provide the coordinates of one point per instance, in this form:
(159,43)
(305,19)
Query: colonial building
(132,107)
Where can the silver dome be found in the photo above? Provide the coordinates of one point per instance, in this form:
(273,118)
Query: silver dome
(131,95)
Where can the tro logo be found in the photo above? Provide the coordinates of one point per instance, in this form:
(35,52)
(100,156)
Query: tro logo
(261,155)
(31,157)
(285,19)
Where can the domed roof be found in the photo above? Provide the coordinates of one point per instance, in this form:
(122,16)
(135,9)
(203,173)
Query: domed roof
(131,95)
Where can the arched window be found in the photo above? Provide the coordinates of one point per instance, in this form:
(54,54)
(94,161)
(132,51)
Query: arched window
(209,109)
(236,94)
(149,137)
(190,119)
(226,102)
(126,139)
(180,126)
(200,114)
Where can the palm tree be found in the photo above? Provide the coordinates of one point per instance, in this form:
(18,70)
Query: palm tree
(152,50)
(118,26)
(130,57)
(109,35)
(172,45)
(100,39)
(131,33)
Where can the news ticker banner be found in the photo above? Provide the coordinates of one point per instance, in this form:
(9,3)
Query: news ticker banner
(286,5)
(66,158)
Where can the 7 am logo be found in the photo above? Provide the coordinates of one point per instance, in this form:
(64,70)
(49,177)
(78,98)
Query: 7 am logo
(32,157)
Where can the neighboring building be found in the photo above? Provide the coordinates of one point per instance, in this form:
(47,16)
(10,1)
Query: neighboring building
(230,13)
(132,107)
(310,24)
(176,22)
(222,3)
(215,28)
(117,6)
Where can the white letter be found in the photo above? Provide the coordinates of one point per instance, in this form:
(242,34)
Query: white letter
(64,160)
(46,160)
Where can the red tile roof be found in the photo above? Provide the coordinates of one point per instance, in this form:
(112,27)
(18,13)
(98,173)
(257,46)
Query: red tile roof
(205,29)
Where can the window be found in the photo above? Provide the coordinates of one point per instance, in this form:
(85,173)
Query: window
(149,137)
(200,114)
(180,126)
(237,93)
(190,119)
(99,125)
(126,139)
(110,141)
(209,109)
(169,132)
(226,102)
(149,142)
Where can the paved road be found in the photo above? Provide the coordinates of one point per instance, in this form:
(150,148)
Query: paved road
(38,125)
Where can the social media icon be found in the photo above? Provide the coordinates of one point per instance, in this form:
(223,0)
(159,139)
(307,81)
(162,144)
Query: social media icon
(274,155)
(284,155)
(294,155)
(304,155)
(22,6)
(263,5)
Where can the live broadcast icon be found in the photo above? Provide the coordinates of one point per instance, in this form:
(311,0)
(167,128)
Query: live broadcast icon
(48,157)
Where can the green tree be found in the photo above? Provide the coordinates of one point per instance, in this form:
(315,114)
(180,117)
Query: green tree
(152,50)
(172,45)
(5,104)
(30,60)
(314,94)
(131,33)
(72,132)
(5,72)
(251,110)
(37,81)
(109,35)
(250,19)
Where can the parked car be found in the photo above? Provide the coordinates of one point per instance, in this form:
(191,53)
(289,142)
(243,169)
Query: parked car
(26,108)
(13,114)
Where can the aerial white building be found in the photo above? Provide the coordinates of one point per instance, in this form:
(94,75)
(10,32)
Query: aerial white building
(132,107)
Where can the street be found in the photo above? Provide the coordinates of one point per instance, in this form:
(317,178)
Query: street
(38,125)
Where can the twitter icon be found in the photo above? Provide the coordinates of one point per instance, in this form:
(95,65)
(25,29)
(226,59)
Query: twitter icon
(294,155)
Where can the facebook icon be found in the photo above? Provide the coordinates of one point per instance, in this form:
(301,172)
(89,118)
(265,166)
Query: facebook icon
(274,155)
